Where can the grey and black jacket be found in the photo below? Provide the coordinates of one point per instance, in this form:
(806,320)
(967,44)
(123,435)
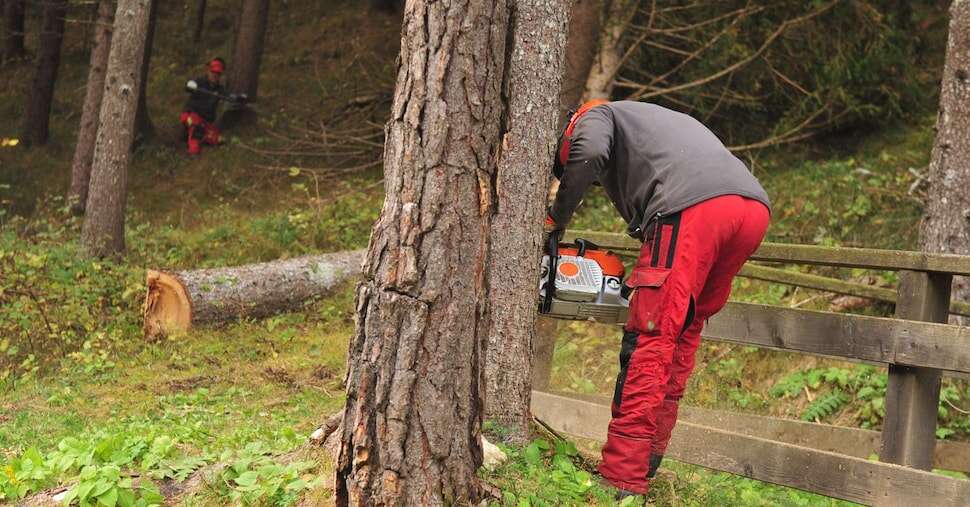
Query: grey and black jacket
(651,161)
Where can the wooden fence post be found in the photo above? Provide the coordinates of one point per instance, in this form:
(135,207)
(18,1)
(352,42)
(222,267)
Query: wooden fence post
(913,394)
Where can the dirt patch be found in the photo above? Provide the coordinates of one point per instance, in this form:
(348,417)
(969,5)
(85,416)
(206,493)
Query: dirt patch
(325,373)
(280,376)
(190,384)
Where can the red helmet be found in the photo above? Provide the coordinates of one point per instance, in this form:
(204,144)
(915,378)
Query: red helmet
(216,66)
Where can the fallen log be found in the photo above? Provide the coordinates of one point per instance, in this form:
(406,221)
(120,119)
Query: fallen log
(179,300)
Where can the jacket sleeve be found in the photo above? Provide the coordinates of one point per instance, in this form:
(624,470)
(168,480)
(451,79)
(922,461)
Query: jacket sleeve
(589,151)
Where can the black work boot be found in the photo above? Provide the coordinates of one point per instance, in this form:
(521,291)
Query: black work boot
(655,460)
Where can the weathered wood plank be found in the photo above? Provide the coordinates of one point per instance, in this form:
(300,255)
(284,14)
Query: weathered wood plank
(824,283)
(859,337)
(860,443)
(789,465)
(868,258)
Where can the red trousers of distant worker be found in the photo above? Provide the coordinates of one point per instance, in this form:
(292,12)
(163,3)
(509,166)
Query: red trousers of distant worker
(683,276)
(198,131)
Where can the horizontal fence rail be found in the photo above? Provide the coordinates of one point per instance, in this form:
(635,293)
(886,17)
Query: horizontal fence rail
(866,258)
(824,283)
(856,442)
(860,337)
(817,471)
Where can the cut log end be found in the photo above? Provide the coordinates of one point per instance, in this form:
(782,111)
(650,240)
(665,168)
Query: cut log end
(167,308)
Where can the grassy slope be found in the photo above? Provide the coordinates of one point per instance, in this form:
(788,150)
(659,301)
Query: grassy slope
(271,381)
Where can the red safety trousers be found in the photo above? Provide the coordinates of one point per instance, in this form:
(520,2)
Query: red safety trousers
(683,276)
(198,131)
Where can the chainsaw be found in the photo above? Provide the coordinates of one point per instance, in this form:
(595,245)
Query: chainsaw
(580,281)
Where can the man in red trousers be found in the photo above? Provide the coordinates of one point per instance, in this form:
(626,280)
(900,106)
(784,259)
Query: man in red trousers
(700,214)
(199,114)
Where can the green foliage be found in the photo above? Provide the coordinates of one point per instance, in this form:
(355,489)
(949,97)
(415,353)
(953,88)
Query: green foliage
(102,467)
(825,406)
(544,474)
(837,388)
(253,477)
(119,468)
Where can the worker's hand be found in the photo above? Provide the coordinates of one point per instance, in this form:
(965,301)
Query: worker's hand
(551,228)
(191,85)
(550,225)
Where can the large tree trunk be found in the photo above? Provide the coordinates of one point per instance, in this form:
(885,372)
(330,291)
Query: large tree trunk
(533,78)
(144,129)
(13,20)
(946,227)
(177,301)
(199,21)
(581,45)
(103,232)
(599,84)
(411,429)
(247,51)
(41,93)
(87,132)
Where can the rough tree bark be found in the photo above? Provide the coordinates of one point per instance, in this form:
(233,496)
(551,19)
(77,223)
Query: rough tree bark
(40,95)
(599,84)
(581,44)
(144,129)
(946,227)
(88,130)
(199,21)
(177,301)
(13,20)
(411,429)
(103,231)
(247,50)
(533,74)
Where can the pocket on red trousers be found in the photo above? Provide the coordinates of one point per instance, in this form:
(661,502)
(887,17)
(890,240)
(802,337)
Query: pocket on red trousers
(649,298)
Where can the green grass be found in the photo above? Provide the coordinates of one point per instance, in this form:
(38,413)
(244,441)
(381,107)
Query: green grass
(554,472)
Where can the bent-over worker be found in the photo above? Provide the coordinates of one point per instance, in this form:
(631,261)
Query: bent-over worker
(700,214)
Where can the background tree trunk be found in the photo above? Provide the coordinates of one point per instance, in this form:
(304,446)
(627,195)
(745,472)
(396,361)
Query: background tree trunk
(177,301)
(946,227)
(199,21)
(13,20)
(606,62)
(411,429)
(41,93)
(534,72)
(581,45)
(88,130)
(103,232)
(247,51)
(144,129)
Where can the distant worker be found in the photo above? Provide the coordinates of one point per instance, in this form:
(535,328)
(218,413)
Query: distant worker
(199,114)
(700,214)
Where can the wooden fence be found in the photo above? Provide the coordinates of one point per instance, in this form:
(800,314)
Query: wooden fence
(916,345)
